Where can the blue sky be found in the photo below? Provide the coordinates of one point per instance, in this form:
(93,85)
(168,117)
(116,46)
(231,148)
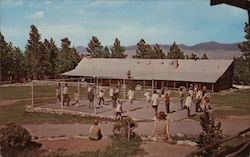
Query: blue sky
(157,21)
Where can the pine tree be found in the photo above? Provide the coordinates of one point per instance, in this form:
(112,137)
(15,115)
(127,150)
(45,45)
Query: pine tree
(245,48)
(5,49)
(68,58)
(51,57)
(158,53)
(175,52)
(95,49)
(143,51)
(204,56)
(212,133)
(13,61)
(34,52)
(106,53)
(118,51)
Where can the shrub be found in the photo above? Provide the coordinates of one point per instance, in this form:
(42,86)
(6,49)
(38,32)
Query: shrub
(212,133)
(13,139)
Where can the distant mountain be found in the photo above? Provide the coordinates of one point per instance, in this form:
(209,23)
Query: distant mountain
(81,49)
(212,49)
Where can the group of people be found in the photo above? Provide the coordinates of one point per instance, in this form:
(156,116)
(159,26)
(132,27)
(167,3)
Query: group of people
(65,94)
(160,130)
(199,97)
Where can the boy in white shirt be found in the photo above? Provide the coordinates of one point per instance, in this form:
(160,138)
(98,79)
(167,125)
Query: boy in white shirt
(147,96)
(155,101)
(130,97)
(118,110)
(101,97)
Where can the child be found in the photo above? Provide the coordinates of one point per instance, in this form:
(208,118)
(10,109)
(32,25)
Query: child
(181,97)
(76,98)
(118,110)
(188,103)
(131,97)
(91,97)
(147,96)
(155,102)
(95,131)
(207,101)
(101,97)
(167,102)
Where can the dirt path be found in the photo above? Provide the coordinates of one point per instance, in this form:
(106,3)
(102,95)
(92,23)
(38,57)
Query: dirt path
(7,102)
(163,149)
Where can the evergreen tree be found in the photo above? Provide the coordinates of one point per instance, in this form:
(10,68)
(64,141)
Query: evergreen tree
(211,133)
(68,58)
(18,69)
(34,51)
(5,49)
(117,51)
(204,56)
(158,53)
(143,51)
(95,49)
(175,52)
(51,54)
(245,48)
(192,56)
(12,59)
(106,53)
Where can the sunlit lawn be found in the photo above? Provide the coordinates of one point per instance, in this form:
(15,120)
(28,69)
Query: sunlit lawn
(16,113)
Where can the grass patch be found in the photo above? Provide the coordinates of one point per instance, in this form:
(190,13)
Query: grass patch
(231,112)
(237,99)
(118,148)
(12,93)
(235,103)
(16,113)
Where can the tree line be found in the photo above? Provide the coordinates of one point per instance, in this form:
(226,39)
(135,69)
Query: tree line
(44,60)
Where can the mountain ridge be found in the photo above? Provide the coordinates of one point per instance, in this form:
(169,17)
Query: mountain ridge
(213,49)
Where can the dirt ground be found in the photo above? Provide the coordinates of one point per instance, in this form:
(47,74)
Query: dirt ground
(74,146)
(163,149)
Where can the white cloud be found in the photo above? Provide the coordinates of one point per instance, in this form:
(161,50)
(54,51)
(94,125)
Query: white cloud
(11,2)
(47,2)
(36,15)
(108,3)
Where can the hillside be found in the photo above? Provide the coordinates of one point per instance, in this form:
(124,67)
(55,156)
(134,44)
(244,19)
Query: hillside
(213,49)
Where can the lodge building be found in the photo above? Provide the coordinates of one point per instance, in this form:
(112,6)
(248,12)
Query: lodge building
(215,74)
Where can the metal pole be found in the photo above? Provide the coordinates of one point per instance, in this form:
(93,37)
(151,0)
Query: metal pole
(124,89)
(78,88)
(32,93)
(152,86)
(95,95)
(61,88)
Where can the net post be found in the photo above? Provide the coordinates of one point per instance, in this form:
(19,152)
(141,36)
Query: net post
(124,89)
(32,93)
(96,94)
(78,88)
(61,88)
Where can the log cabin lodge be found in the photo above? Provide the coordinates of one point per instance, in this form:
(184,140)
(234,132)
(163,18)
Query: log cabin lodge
(215,74)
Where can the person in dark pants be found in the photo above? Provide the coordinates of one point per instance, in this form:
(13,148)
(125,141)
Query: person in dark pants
(188,104)
(198,101)
(91,99)
(101,97)
(181,97)
(167,102)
